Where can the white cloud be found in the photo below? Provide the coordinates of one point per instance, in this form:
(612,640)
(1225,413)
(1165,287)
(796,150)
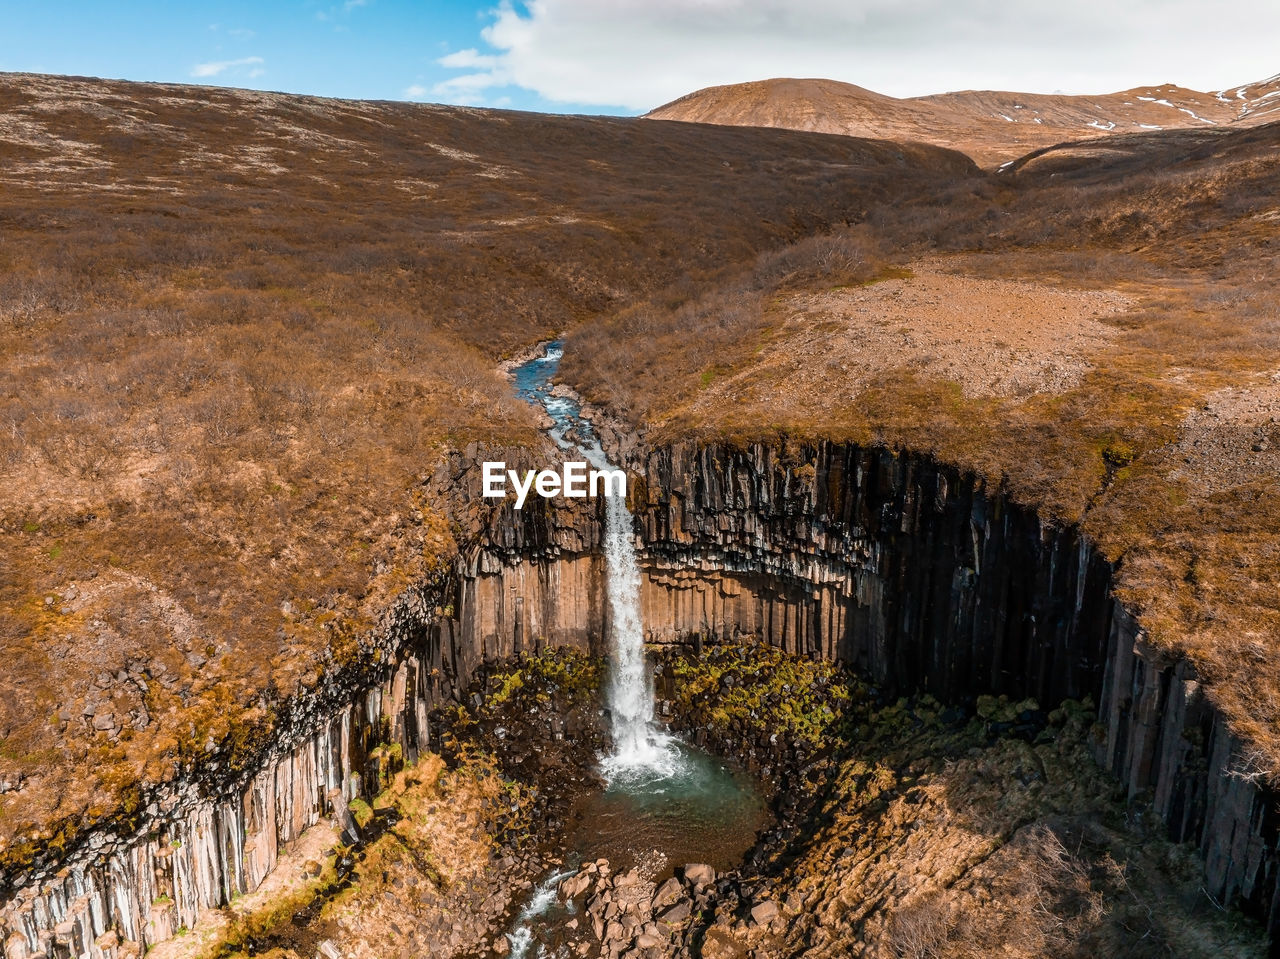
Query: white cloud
(216,68)
(472,89)
(469,59)
(471,82)
(639,53)
(415,92)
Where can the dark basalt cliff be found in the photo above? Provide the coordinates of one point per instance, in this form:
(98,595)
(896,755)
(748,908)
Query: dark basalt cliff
(215,832)
(923,579)
(910,571)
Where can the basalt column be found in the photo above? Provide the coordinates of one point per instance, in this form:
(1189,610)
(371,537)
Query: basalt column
(924,580)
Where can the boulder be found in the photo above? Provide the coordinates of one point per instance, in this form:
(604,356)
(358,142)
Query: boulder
(667,893)
(676,914)
(765,912)
(699,874)
(575,886)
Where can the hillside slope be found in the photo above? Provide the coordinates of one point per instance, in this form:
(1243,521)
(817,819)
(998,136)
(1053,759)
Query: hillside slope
(990,126)
(1093,331)
(238,328)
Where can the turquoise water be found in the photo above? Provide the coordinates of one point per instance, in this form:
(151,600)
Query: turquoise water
(533,385)
(703,810)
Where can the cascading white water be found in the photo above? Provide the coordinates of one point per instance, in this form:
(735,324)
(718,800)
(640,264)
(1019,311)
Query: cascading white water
(544,895)
(641,748)
(639,745)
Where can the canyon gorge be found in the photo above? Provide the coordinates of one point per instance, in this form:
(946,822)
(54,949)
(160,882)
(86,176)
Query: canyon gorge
(910,571)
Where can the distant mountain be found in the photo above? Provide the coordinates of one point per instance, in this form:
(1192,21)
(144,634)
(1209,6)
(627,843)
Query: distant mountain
(992,127)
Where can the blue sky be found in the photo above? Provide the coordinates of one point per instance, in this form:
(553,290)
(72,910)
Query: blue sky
(375,49)
(626,56)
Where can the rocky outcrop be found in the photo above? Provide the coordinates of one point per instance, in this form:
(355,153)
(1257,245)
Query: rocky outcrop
(628,914)
(213,834)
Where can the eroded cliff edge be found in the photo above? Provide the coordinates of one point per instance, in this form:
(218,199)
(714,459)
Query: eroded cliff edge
(912,572)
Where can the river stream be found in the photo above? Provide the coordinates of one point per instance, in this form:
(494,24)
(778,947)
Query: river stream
(666,803)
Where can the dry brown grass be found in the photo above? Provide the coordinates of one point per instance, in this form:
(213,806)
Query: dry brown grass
(1043,902)
(690,335)
(237,329)
(1059,890)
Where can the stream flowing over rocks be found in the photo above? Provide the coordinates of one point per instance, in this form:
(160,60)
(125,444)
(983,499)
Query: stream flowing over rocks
(913,573)
(640,747)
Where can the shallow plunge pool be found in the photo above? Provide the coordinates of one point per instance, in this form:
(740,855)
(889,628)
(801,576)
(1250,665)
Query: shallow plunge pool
(703,809)
(699,809)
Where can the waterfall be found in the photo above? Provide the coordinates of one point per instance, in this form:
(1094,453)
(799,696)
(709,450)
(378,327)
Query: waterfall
(641,749)
(639,746)
(544,896)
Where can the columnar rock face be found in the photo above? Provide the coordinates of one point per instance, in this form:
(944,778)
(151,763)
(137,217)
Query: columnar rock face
(905,569)
(192,856)
(215,834)
(522,604)
(924,580)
